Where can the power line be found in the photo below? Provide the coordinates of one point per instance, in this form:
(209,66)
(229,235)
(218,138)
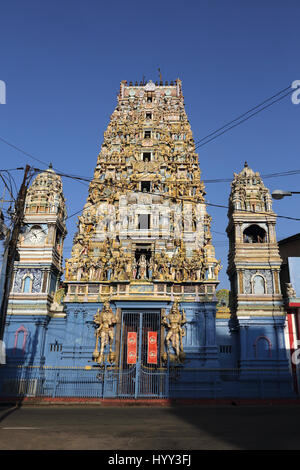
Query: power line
(183,198)
(22,151)
(264,176)
(216,180)
(252,212)
(240,122)
(19,149)
(198,143)
(12,169)
(244,114)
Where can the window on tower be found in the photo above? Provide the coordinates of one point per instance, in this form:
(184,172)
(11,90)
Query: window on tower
(145,186)
(258,285)
(146,156)
(27,285)
(254,234)
(147,134)
(143,221)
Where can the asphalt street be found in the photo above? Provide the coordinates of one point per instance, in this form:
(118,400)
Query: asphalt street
(150,428)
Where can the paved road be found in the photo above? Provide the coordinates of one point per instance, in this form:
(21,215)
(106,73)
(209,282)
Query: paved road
(145,428)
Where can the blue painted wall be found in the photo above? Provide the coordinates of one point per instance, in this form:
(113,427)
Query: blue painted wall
(222,357)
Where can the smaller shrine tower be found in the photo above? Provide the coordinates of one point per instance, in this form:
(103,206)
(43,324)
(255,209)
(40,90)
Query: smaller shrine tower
(38,269)
(253,269)
(254,261)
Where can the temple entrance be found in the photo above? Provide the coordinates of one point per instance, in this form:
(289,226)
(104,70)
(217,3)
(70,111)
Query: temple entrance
(141,374)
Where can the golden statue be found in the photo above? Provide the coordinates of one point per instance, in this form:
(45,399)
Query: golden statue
(217,269)
(59,295)
(174,322)
(104,333)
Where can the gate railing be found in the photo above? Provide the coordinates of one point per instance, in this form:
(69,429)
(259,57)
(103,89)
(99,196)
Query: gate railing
(109,382)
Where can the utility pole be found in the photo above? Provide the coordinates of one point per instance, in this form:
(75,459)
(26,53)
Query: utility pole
(11,248)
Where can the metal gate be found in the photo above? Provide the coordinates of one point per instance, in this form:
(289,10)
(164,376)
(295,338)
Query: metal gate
(141,373)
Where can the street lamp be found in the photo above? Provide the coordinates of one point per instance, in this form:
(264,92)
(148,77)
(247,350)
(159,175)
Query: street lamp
(279,193)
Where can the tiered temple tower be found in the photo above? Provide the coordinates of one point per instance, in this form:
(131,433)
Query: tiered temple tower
(38,269)
(145,220)
(253,268)
(143,244)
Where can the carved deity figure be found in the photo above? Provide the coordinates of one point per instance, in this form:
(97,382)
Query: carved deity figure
(217,269)
(59,295)
(57,300)
(128,267)
(174,322)
(161,266)
(134,268)
(290,291)
(142,263)
(104,333)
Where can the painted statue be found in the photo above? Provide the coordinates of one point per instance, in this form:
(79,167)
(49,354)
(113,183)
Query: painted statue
(174,323)
(142,263)
(104,333)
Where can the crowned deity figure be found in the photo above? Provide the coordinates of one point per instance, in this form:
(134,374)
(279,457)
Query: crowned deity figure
(104,333)
(174,322)
(290,291)
(142,263)
(134,268)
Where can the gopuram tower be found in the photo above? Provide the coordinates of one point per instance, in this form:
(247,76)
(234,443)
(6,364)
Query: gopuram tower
(143,257)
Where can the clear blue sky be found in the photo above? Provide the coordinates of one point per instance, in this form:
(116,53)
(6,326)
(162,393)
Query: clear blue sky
(62,63)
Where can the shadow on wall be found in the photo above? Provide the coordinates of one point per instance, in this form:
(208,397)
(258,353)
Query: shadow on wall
(19,377)
(14,376)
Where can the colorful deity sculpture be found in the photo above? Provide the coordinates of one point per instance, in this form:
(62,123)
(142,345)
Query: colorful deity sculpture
(174,323)
(104,333)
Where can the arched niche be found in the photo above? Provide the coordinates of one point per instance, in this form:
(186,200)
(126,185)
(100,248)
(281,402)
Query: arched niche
(258,284)
(262,347)
(21,335)
(27,283)
(254,234)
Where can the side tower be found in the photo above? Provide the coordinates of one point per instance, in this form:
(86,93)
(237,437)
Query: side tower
(253,269)
(38,270)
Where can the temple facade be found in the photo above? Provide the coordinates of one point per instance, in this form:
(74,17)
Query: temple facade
(136,314)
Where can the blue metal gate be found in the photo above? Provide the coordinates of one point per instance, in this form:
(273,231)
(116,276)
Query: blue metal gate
(141,378)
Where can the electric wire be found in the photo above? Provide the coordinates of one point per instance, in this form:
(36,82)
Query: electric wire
(247,112)
(198,143)
(183,198)
(243,120)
